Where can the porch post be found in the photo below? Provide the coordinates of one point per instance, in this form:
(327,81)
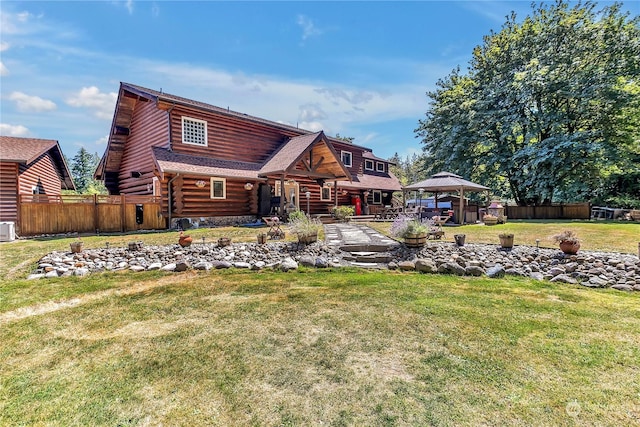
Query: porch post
(461,205)
(282,195)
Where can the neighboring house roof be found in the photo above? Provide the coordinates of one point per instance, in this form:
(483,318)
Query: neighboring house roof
(365,182)
(292,152)
(26,150)
(170,162)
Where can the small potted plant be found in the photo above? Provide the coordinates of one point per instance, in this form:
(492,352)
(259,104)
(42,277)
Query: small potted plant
(262,238)
(304,227)
(76,247)
(568,241)
(489,219)
(412,230)
(506,240)
(224,241)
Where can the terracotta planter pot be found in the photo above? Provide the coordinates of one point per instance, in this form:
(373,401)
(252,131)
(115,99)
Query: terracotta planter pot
(415,240)
(570,248)
(185,241)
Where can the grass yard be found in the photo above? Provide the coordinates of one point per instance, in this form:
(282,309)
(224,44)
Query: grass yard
(316,347)
(327,348)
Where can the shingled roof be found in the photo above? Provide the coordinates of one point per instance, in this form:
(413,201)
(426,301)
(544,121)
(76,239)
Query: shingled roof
(365,182)
(26,150)
(170,162)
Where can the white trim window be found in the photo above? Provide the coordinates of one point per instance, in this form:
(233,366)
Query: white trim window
(368,165)
(218,188)
(325,193)
(380,167)
(194,131)
(347,158)
(377,197)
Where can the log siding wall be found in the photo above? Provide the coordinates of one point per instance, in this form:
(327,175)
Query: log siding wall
(228,138)
(149,128)
(42,173)
(8,191)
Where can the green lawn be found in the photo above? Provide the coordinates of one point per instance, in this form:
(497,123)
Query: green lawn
(315,347)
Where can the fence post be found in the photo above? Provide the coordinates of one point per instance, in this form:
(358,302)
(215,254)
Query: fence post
(96,223)
(123,210)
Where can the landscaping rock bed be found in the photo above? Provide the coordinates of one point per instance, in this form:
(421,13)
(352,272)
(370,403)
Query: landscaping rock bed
(590,269)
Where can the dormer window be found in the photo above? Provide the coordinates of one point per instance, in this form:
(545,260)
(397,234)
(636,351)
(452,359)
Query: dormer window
(380,167)
(194,131)
(347,158)
(368,165)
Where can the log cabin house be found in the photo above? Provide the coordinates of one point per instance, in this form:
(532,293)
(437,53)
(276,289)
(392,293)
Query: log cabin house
(30,166)
(217,166)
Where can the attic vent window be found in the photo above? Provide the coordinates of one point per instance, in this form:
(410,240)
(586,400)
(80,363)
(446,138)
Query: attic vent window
(194,131)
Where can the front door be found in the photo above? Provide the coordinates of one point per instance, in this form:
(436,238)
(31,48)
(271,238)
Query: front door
(291,194)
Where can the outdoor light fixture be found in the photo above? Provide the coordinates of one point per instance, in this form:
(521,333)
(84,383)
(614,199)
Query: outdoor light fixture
(248,186)
(200,183)
(308,194)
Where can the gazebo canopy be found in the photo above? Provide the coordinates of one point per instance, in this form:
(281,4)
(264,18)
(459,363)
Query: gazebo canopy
(447,182)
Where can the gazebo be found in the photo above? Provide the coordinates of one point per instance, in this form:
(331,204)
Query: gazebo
(446,182)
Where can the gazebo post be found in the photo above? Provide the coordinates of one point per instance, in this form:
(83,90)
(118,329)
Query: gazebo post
(461,205)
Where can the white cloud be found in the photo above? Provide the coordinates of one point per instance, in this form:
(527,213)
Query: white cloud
(4,46)
(102,104)
(13,23)
(13,130)
(102,141)
(31,104)
(308,27)
(128,4)
(4,71)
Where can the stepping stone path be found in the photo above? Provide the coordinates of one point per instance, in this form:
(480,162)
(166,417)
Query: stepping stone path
(363,246)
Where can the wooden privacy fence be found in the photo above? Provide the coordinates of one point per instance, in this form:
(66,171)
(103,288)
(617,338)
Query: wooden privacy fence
(560,211)
(42,214)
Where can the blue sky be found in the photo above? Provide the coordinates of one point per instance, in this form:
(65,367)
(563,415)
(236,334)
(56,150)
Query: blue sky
(360,69)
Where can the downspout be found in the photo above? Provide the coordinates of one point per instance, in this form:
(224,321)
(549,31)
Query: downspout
(169,198)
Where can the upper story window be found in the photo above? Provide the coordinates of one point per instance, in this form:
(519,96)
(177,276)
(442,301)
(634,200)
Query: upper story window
(368,165)
(347,158)
(218,188)
(194,131)
(380,167)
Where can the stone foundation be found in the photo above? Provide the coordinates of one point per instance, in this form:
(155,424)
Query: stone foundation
(211,221)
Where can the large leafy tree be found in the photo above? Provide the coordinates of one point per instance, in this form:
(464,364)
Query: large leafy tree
(549,109)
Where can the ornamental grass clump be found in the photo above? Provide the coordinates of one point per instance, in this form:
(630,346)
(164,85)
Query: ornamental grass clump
(302,225)
(404,226)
